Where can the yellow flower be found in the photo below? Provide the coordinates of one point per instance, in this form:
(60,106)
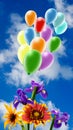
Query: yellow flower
(12,116)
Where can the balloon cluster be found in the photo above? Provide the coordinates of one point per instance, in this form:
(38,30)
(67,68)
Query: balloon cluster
(57,19)
(32,53)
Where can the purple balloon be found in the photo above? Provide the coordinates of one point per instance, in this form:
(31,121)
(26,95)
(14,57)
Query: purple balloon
(46,33)
(47,60)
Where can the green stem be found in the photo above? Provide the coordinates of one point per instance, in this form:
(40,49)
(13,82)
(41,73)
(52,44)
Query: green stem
(34,93)
(28,127)
(32,97)
(34,128)
(23,128)
(52,124)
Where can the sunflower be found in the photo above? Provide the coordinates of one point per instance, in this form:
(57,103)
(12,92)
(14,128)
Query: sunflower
(36,113)
(12,116)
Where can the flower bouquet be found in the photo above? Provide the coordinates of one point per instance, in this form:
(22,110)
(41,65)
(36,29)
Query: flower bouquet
(32,112)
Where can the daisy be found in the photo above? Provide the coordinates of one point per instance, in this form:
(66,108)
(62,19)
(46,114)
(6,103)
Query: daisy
(36,113)
(12,117)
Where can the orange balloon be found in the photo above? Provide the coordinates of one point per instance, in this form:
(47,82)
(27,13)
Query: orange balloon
(30,17)
(38,43)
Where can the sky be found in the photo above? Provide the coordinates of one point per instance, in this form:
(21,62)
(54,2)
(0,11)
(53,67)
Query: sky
(58,79)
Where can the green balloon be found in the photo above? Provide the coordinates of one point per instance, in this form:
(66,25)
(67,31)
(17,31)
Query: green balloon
(32,61)
(54,44)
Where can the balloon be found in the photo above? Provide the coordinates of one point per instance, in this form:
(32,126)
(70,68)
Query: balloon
(50,15)
(32,61)
(62,28)
(39,24)
(59,19)
(29,34)
(38,44)
(30,17)
(20,38)
(47,60)
(46,33)
(22,51)
(54,44)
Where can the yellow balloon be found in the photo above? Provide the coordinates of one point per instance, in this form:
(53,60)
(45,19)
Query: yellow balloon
(22,51)
(20,38)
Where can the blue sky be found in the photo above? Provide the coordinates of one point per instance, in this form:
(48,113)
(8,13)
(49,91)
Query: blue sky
(58,79)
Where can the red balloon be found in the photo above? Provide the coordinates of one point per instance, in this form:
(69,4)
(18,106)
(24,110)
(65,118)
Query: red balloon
(39,24)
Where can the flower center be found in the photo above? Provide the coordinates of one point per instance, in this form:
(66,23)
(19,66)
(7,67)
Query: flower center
(12,117)
(59,121)
(43,91)
(36,115)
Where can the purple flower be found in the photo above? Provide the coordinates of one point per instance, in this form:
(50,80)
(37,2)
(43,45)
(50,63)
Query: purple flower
(21,98)
(40,88)
(60,117)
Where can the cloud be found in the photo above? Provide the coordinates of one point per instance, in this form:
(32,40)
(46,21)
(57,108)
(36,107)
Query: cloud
(18,76)
(63,6)
(17,127)
(2,109)
(9,55)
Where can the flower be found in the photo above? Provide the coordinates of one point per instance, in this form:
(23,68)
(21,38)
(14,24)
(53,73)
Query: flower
(12,116)
(59,118)
(40,88)
(36,113)
(21,98)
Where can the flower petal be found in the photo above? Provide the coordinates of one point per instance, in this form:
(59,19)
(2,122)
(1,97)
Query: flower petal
(30,101)
(20,92)
(8,108)
(44,93)
(57,123)
(6,123)
(28,89)
(16,102)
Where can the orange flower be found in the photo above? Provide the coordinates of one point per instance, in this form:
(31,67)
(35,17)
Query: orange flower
(36,113)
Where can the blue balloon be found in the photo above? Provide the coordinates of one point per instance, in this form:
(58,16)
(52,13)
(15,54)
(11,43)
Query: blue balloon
(62,28)
(50,15)
(59,19)
(29,34)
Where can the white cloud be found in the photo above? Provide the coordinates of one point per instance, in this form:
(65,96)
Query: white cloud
(18,76)
(17,24)
(67,9)
(9,55)
(2,109)
(17,127)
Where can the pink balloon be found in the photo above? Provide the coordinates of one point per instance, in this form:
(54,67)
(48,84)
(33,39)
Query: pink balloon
(47,60)
(46,33)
